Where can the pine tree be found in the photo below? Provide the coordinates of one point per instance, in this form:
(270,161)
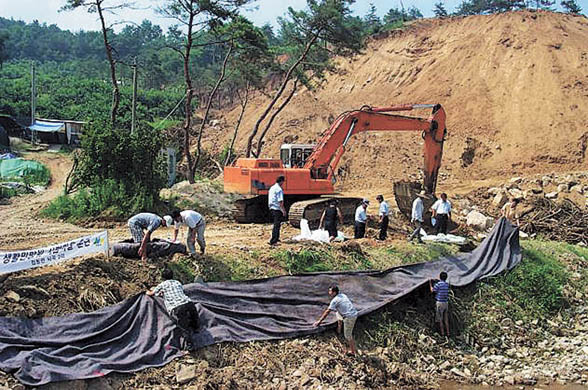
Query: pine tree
(571,6)
(372,21)
(440,10)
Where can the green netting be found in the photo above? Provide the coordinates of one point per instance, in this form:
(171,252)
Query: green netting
(18,167)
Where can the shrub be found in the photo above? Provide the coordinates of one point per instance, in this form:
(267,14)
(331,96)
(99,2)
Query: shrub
(119,173)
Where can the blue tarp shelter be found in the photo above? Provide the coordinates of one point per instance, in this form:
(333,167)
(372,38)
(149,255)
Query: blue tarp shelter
(47,127)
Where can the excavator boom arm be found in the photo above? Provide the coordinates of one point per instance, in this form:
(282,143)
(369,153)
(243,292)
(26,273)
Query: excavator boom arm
(329,150)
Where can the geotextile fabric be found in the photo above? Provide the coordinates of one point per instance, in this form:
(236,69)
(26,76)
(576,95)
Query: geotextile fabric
(137,333)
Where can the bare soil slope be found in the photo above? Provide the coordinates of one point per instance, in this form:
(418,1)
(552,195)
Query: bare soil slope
(514,85)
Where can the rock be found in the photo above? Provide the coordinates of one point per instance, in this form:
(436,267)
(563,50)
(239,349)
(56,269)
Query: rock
(457,372)
(516,193)
(577,188)
(297,373)
(499,200)
(12,296)
(522,234)
(494,190)
(551,195)
(536,190)
(479,221)
(185,373)
(509,379)
(562,188)
(444,366)
(516,179)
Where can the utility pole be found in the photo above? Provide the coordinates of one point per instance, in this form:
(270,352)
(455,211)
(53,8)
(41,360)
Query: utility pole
(134,105)
(33,100)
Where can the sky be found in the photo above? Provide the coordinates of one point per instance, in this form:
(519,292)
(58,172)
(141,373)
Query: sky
(262,11)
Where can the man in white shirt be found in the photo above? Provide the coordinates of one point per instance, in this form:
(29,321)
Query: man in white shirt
(383,212)
(441,210)
(275,202)
(361,219)
(196,226)
(346,316)
(417,216)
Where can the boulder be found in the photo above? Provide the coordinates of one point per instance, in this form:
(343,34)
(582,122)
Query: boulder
(12,296)
(562,188)
(479,221)
(516,193)
(494,190)
(185,373)
(499,200)
(516,180)
(551,195)
(577,188)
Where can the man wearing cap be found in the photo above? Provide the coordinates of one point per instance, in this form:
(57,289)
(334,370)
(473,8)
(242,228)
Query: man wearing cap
(361,219)
(383,212)
(417,216)
(149,222)
(441,210)
(196,225)
(275,202)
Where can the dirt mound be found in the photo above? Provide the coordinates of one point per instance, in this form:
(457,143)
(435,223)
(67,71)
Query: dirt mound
(86,286)
(514,86)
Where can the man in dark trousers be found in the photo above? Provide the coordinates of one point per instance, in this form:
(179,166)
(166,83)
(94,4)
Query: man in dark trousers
(384,212)
(329,219)
(361,219)
(275,202)
(441,210)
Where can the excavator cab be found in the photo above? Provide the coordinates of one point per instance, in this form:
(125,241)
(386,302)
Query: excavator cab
(295,155)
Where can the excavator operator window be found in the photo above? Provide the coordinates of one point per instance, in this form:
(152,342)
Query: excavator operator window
(307,153)
(285,157)
(297,160)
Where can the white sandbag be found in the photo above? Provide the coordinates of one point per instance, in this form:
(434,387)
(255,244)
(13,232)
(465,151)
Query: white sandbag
(319,235)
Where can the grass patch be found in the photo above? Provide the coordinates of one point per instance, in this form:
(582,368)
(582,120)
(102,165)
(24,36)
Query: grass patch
(313,260)
(406,253)
(183,270)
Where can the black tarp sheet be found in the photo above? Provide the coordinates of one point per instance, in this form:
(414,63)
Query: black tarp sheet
(155,248)
(137,333)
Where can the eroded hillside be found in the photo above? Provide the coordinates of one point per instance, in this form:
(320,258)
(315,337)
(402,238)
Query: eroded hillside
(514,85)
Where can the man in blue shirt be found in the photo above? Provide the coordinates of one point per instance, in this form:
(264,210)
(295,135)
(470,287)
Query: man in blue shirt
(441,290)
(383,212)
(148,222)
(275,202)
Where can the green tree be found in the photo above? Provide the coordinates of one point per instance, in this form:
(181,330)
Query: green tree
(440,10)
(3,49)
(571,6)
(372,21)
(196,16)
(310,37)
(101,7)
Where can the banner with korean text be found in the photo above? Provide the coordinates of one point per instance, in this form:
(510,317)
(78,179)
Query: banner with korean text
(26,259)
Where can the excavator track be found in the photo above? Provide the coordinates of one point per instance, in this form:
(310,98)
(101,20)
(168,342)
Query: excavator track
(312,209)
(251,210)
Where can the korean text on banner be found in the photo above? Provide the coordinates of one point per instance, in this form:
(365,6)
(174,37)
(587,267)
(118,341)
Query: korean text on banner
(20,260)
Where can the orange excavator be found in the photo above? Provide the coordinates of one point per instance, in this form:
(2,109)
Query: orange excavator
(310,169)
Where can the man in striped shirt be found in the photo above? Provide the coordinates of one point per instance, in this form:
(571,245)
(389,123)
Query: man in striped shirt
(441,290)
(180,308)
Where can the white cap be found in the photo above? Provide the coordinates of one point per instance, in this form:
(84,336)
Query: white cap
(168,220)
(365,200)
